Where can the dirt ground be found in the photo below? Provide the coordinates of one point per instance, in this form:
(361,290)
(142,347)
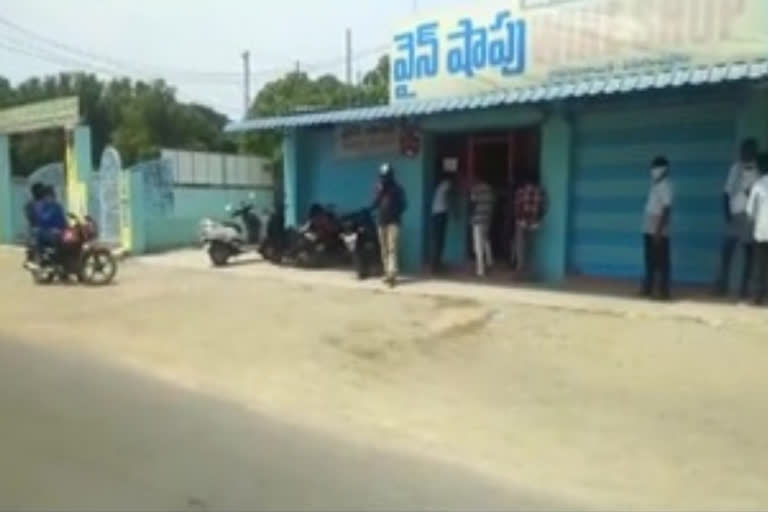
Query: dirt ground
(603,411)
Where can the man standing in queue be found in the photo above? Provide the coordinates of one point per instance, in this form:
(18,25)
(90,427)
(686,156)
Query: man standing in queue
(742,176)
(440,207)
(757,211)
(658,211)
(390,202)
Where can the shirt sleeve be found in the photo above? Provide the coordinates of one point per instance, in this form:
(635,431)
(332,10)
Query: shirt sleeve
(752,203)
(666,195)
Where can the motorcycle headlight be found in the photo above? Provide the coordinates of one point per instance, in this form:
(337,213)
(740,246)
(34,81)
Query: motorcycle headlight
(206,225)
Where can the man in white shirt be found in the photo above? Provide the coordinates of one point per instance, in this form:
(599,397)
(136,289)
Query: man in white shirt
(757,211)
(743,175)
(658,209)
(440,203)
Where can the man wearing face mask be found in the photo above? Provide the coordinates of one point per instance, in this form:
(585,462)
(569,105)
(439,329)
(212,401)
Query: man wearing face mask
(658,211)
(743,175)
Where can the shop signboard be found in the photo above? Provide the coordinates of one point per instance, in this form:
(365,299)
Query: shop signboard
(357,140)
(504,44)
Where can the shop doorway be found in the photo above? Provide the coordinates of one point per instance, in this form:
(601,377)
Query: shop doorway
(501,159)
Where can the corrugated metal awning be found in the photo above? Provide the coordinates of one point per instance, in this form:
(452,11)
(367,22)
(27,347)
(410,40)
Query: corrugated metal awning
(617,84)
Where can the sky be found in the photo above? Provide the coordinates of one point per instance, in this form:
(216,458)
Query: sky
(196,45)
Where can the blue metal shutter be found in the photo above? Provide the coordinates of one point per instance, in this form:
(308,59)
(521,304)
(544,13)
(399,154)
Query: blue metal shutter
(610,181)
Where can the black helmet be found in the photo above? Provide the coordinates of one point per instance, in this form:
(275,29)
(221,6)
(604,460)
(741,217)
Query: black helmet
(37,190)
(386,170)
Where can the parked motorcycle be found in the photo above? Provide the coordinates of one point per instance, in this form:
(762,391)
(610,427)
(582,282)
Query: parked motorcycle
(77,255)
(361,241)
(318,242)
(275,241)
(225,240)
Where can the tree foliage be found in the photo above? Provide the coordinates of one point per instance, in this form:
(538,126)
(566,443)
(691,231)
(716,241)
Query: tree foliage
(297,92)
(140,117)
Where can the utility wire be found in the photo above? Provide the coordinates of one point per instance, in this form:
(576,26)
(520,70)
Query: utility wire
(112,66)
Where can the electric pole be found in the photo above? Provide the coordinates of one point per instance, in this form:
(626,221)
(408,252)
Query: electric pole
(415,6)
(349,56)
(246,83)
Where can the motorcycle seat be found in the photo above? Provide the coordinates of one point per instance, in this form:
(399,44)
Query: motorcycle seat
(233,225)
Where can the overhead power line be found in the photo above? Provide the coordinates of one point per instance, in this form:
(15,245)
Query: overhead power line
(58,52)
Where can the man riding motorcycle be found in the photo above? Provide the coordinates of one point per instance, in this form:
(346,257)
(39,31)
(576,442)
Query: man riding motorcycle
(51,221)
(37,193)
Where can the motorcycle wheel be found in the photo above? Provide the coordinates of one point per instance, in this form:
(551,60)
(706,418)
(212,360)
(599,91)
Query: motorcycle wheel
(219,254)
(98,268)
(43,276)
(304,259)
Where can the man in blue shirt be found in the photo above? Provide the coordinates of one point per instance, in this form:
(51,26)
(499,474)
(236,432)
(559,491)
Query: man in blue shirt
(51,220)
(36,192)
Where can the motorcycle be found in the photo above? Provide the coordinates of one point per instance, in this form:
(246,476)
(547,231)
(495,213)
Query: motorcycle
(78,254)
(274,244)
(225,240)
(317,243)
(361,241)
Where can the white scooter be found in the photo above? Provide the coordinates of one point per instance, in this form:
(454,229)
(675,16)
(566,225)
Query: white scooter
(225,240)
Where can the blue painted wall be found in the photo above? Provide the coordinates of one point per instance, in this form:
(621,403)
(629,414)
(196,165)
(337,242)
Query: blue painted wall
(610,183)
(349,184)
(180,227)
(19,197)
(6,192)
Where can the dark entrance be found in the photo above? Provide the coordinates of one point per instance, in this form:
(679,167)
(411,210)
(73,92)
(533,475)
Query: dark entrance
(501,158)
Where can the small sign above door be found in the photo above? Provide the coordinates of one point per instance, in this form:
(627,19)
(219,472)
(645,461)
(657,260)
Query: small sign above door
(355,141)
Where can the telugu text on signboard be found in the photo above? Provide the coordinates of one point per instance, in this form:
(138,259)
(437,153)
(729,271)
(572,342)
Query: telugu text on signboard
(529,42)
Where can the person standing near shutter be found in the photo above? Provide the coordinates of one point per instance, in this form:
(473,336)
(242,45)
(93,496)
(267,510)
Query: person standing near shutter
(742,176)
(757,211)
(658,211)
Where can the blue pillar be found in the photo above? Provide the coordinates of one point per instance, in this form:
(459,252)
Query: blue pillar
(290,177)
(6,192)
(552,243)
(412,175)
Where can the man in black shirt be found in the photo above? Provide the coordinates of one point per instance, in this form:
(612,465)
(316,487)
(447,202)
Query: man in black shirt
(391,204)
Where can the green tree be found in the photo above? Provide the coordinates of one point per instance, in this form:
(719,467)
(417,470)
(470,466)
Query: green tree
(296,92)
(138,117)
(375,86)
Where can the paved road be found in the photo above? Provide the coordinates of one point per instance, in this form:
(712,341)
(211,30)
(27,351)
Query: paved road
(79,435)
